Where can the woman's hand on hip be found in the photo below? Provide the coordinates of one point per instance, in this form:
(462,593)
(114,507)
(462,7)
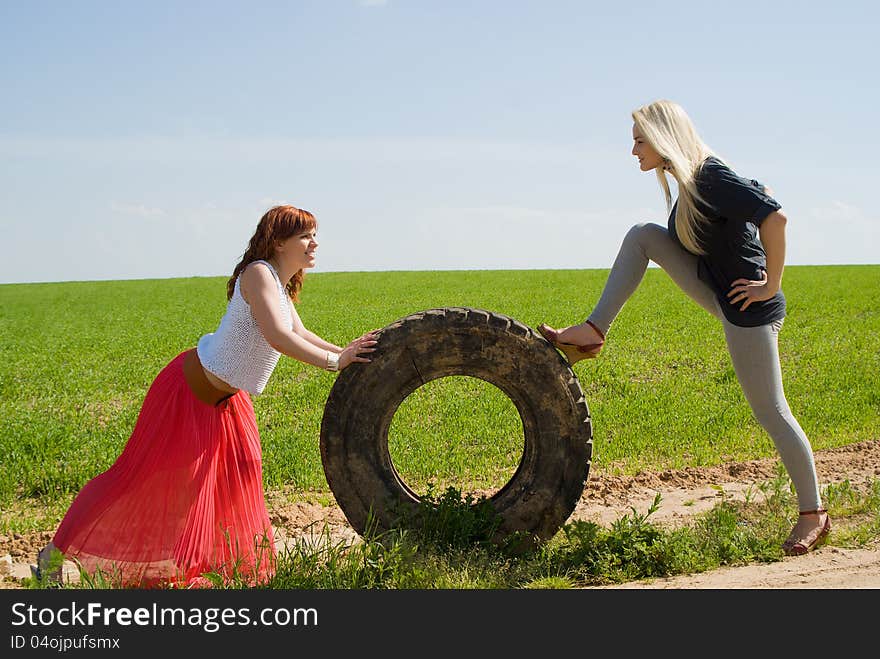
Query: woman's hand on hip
(750,290)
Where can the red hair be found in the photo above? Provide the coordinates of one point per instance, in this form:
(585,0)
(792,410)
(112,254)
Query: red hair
(278,224)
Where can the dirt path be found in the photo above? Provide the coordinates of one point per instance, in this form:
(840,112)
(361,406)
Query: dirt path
(690,491)
(606,498)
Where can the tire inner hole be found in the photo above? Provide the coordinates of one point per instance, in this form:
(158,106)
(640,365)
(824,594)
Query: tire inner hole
(456,431)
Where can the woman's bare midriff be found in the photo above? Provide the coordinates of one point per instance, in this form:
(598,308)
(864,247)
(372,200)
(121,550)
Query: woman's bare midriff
(218,383)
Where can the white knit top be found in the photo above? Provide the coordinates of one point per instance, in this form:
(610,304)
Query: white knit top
(237,352)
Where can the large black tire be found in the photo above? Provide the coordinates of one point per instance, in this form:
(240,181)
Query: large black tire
(460,341)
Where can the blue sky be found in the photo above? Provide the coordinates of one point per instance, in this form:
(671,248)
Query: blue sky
(145,139)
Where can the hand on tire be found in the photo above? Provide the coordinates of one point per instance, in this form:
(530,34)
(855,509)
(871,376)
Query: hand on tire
(353,351)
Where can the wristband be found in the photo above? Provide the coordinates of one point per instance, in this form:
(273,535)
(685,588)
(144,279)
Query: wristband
(332,361)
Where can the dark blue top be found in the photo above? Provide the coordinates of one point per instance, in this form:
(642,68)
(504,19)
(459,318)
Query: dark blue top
(736,208)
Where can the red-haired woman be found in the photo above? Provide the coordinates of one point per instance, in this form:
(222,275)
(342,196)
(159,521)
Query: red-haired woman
(185,497)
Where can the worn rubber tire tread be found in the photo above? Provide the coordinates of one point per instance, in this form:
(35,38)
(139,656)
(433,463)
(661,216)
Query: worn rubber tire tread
(557,442)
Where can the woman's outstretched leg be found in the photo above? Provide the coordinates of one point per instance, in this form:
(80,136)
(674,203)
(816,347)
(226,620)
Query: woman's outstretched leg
(643,243)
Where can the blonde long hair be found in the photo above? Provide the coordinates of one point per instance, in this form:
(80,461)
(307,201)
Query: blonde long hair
(669,130)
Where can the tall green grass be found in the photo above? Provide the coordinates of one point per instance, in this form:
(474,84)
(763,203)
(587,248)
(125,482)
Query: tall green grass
(77,358)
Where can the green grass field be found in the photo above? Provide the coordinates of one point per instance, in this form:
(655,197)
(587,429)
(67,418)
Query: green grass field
(77,359)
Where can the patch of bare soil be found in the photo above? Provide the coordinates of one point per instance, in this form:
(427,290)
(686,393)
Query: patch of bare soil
(690,491)
(606,498)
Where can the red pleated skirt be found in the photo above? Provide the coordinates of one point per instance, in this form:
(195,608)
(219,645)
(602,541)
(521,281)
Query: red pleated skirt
(183,499)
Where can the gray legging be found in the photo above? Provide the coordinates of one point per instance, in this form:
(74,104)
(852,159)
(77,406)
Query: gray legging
(753,350)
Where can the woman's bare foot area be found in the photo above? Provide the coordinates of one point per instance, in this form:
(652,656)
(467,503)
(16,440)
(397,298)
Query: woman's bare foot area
(810,530)
(580,335)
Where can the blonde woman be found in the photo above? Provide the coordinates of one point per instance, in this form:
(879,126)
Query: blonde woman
(725,247)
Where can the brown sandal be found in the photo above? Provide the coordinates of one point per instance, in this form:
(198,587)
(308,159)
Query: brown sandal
(813,540)
(574,353)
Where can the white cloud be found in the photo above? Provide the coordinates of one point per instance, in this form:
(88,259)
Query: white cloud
(192,150)
(486,237)
(270,202)
(138,210)
(836,232)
